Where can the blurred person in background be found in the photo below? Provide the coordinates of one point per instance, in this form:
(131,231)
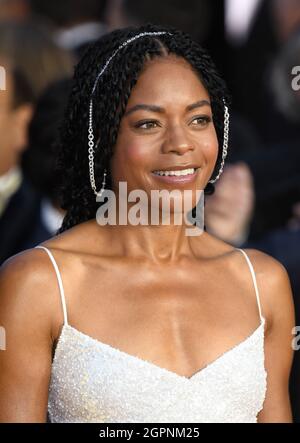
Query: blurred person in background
(229,210)
(16,106)
(77,23)
(275,167)
(286,16)
(273,106)
(280,186)
(281,200)
(250,70)
(202,19)
(263,91)
(39,161)
(14,10)
(31,60)
(31,47)
(247,30)
(193,16)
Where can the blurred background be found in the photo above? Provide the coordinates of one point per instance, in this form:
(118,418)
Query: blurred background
(256,47)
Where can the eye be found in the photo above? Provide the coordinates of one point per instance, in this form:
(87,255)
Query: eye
(146,124)
(202,121)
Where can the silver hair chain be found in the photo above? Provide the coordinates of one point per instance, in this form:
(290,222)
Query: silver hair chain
(90,130)
(225,142)
(91,143)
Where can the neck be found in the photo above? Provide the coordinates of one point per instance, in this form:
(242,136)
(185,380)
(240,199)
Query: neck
(163,242)
(160,244)
(6,167)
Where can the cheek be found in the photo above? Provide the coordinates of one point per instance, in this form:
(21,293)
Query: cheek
(130,161)
(136,154)
(133,154)
(210,147)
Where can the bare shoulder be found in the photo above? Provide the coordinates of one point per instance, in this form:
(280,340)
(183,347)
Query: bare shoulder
(268,268)
(84,238)
(274,287)
(28,283)
(24,270)
(272,279)
(26,314)
(278,308)
(24,288)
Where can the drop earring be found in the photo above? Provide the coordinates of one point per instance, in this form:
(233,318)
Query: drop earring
(103,184)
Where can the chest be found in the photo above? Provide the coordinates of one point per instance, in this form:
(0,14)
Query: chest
(179,318)
(93,382)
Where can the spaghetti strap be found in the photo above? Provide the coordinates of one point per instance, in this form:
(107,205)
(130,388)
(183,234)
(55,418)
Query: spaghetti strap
(60,284)
(254,282)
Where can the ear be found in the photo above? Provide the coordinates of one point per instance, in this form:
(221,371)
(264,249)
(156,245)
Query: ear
(22,117)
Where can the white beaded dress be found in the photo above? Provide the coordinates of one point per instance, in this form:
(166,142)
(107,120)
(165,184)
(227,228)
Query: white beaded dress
(92,381)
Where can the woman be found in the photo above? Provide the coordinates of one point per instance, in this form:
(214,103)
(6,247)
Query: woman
(143,322)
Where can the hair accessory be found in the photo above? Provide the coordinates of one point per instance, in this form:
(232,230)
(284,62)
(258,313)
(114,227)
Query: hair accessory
(225,142)
(90,129)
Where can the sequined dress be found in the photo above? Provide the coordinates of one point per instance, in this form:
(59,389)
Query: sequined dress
(92,381)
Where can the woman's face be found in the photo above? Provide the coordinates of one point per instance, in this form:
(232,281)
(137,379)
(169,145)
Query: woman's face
(167,125)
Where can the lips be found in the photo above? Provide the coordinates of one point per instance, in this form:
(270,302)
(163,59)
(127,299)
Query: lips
(178,167)
(177,173)
(176,179)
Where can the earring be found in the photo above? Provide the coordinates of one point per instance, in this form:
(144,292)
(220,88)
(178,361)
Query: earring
(225,143)
(103,184)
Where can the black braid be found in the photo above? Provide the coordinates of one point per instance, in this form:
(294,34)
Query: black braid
(110,100)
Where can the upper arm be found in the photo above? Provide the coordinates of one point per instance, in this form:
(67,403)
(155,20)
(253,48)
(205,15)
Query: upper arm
(25,315)
(278,309)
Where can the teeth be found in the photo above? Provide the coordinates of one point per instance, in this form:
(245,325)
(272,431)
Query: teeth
(176,173)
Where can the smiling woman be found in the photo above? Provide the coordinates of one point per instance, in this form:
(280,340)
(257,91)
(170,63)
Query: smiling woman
(123,57)
(142,323)
(181,128)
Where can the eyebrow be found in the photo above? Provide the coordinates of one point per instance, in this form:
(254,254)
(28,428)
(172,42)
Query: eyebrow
(159,109)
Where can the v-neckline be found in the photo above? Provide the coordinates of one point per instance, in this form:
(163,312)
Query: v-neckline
(148,363)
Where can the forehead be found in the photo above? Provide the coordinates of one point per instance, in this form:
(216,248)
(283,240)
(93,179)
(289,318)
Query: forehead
(169,76)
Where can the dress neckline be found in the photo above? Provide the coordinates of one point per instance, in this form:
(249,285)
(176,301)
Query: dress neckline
(135,359)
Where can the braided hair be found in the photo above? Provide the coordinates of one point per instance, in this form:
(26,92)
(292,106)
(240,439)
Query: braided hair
(110,99)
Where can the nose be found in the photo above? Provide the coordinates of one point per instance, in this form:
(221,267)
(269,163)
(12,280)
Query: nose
(177,141)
